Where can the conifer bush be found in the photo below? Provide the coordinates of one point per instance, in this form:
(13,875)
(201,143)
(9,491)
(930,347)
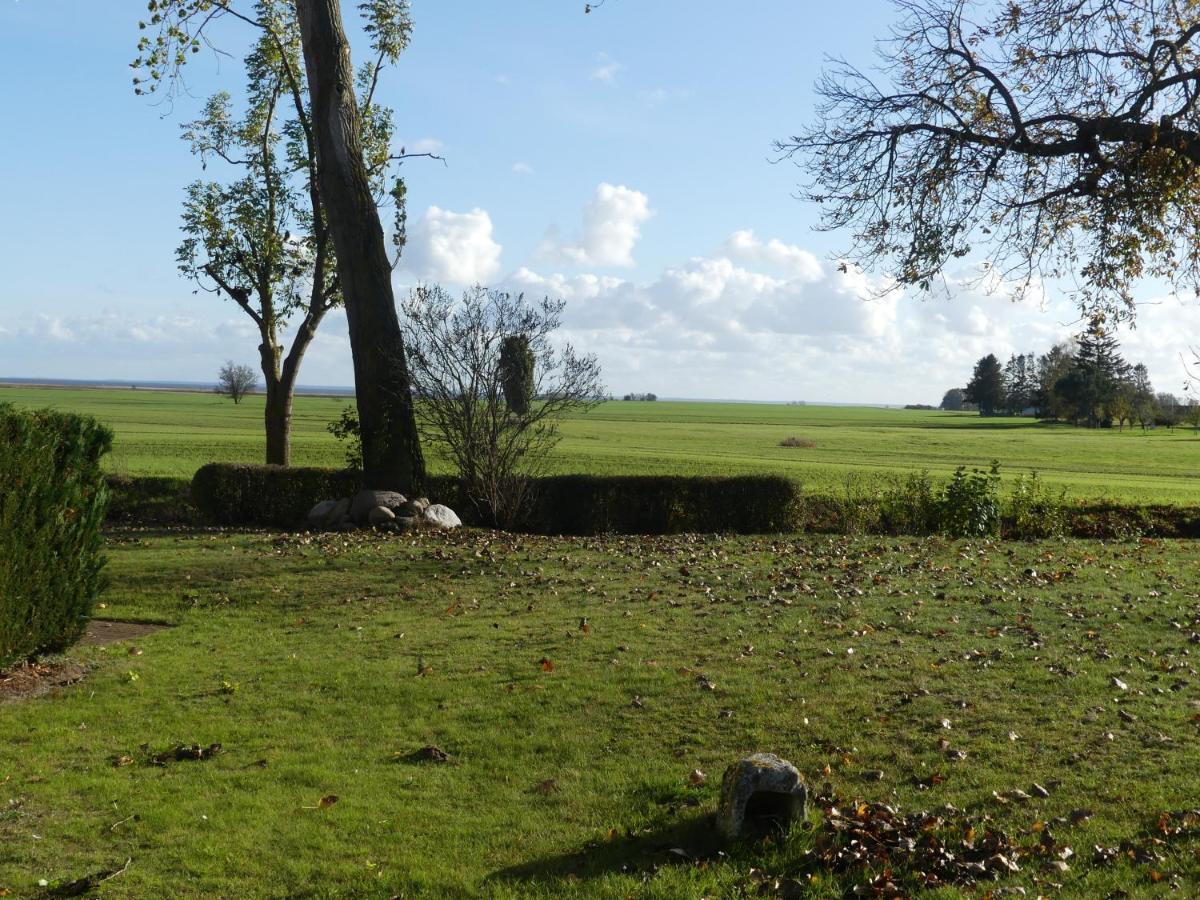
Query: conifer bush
(52,504)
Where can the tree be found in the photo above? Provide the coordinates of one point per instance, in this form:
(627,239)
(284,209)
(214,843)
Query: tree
(456,356)
(1142,397)
(235,381)
(986,387)
(516,372)
(341,181)
(1019,382)
(1052,367)
(953,400)
(1094,382)
(1062,134)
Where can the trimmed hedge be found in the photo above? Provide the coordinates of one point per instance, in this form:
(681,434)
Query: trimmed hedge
(279,496)
(52,504)
(149,500)
(232,494)
(662,504)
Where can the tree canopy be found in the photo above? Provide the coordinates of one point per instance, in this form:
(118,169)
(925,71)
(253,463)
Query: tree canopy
(1058,137)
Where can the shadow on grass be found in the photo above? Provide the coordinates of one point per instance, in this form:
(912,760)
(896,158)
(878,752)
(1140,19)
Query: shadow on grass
(687,840)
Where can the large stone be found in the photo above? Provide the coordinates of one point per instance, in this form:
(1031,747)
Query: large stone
(441,516)
(380,515)
(761,794)
(365,501)
(413,507)
(319,514)
(339,511)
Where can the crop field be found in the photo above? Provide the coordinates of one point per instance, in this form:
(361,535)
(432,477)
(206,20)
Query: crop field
(173,433)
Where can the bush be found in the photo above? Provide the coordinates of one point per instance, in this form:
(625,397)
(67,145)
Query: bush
(804,443)
(970,506)
(233,494)
(52,503)
(149,500)
(278,496)
(666,504)
(1034,510)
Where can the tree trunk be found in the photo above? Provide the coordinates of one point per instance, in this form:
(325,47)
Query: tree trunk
(278,416)
(391,450)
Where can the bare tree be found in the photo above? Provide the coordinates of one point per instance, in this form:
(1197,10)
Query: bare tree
(459,368)
(1064,135)
(235,381)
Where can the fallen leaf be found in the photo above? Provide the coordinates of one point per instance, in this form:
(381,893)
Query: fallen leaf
(547,665)
(697,777)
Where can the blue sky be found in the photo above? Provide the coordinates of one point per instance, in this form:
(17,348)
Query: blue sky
(621,160)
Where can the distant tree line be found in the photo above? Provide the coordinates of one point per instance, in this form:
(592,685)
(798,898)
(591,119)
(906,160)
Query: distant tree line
(647,397)
(1085,381)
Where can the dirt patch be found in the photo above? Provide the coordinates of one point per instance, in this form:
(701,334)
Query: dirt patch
(34,679)
(109,631)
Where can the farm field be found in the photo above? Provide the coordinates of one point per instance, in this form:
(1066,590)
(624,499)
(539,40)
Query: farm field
(577,685)
(169,433)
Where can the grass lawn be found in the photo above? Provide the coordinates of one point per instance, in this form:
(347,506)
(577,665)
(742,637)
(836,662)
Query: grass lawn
(320,663)
(174,433)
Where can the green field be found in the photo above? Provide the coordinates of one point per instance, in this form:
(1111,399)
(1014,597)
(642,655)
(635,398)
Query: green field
(955,678)
(169,433)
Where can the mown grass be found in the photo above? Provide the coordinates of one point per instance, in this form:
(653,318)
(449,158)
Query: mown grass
(321,662)
(173,434)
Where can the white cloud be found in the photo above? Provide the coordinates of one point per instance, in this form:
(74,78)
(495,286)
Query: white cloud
(606,68)
(522,168)
(768,320)
(453,247)
(612,223)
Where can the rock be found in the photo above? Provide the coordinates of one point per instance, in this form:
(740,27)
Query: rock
(411,508)
(339,511)
(319,514)
(422,503)
(405,523)
(380,515)
(441,516)
(761,793)
(365,501)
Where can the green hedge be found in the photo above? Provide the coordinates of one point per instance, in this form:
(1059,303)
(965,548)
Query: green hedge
(52,503)
(149,500)
(666,504)
(279,496)
(231,494)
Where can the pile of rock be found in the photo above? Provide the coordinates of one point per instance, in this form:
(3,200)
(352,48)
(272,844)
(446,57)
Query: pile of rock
(380,509)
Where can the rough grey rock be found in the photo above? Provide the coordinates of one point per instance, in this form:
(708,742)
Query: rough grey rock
(411,508)
(441,516)
(319,514)
(365,501)
(404,523)
(421,504)
(761,793)
(340,510)
(380,515)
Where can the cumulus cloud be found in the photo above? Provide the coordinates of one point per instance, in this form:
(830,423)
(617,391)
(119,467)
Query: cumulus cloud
(612,223)
(762,318)
(522,168)
(453,247)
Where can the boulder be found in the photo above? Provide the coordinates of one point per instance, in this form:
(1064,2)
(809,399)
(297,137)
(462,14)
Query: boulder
(761,794)
(441,516)
(422,504)
(318,516)
(339,511)
(380,515)
(365,501)
(404,523)
(413,507)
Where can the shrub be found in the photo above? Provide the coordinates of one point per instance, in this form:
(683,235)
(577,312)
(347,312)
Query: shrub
(910,505)
(805,443)
(970,505)
(346,428)
(149,500)
(1034,510)
(52,502)
(234,494)
(278,496)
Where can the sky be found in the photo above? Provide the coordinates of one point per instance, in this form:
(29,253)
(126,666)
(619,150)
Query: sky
(621,160)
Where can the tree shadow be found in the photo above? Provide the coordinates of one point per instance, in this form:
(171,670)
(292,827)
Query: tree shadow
(686,840)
